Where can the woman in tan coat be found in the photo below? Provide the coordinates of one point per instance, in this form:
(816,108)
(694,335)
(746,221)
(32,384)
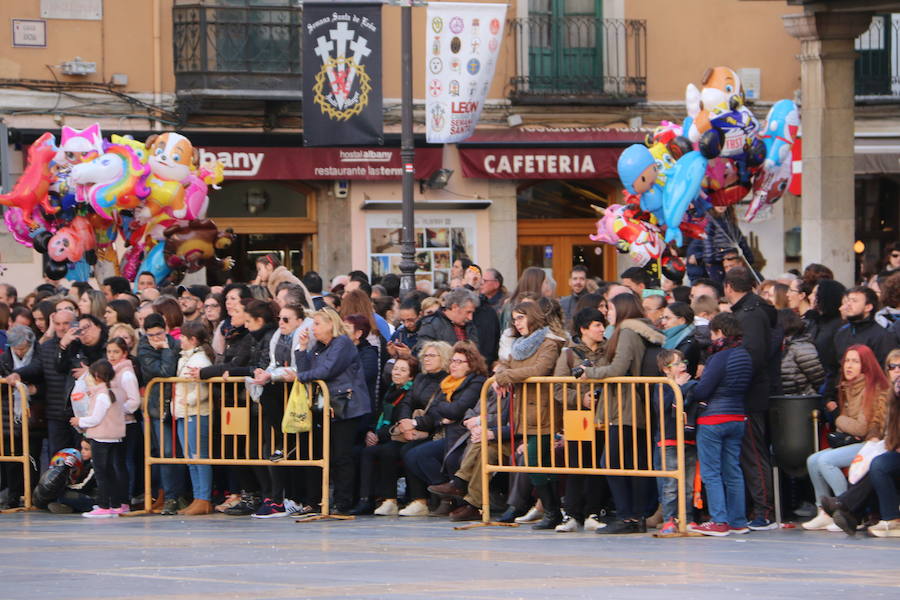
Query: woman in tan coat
(622,413)
(533,409)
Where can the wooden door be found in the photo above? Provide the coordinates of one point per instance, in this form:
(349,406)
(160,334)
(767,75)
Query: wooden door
(556,245)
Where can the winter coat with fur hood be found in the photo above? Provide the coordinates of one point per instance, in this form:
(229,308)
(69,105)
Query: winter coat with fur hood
(634,335)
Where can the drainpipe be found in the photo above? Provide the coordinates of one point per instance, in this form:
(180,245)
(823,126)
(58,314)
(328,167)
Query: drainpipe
(157,59)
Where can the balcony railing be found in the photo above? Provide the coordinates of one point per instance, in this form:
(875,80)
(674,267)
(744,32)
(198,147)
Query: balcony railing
(878,59)
(251,51)
(579,59)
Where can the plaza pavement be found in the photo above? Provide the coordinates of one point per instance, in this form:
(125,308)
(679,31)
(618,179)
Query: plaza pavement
(214,557)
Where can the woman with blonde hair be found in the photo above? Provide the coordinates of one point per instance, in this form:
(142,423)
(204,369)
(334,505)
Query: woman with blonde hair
(92,302)
(331,356)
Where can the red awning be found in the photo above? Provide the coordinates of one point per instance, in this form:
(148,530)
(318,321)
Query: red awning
(546,152)
(371,163)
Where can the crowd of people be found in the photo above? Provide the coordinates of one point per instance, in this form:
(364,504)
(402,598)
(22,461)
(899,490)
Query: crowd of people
(405,375)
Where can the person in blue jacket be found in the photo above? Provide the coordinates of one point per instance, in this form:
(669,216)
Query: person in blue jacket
(720,426)
(332,357)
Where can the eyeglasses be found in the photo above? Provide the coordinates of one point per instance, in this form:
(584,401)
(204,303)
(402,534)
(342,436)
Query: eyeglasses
(158,334)
(458,361)
(429,356)
(893,366)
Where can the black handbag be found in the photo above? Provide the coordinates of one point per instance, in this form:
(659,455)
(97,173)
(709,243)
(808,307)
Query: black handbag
(839,439)
(340,405)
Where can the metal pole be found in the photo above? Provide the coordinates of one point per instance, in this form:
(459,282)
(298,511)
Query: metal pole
(5,185)
(407,154)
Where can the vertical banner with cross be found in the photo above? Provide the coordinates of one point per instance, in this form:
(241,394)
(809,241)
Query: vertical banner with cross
(342,74)
(463,43)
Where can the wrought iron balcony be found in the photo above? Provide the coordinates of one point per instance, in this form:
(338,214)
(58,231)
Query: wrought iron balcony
(579,59)
(878,60)
(238,49)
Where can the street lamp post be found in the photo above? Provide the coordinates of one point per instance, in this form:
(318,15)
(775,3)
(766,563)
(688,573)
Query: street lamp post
(407,153)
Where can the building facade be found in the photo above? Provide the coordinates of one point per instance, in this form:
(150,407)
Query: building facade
(575,83)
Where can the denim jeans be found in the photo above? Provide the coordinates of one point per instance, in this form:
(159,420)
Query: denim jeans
(719,448)
(825,470)
(171,476)
(425,461)
(884,473)
(201,475)
(668,486)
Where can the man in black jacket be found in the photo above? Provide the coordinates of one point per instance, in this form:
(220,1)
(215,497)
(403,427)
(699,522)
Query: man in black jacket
(452,323)
(157,354)
(485,319)
(758,320)
(859,307)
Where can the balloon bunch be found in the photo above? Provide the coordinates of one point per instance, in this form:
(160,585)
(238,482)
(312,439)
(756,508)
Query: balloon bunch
(74,200)
(719,156)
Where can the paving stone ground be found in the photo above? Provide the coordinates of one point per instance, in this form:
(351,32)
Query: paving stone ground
(69,557)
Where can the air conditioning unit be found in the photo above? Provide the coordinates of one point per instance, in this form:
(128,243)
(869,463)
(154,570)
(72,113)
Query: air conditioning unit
(78,67)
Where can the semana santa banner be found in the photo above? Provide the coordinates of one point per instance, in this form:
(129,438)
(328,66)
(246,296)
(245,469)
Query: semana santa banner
(342,97)
(463,42)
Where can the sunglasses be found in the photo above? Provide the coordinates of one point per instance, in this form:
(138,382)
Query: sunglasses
(285,319)
(893,366)
(895,254)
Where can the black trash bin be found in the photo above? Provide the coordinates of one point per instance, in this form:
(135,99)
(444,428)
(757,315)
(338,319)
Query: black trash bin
(793,431)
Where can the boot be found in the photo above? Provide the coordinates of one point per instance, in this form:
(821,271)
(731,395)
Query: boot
(159,502)
(443,509)
(363,507)
(197,507)
(550,501)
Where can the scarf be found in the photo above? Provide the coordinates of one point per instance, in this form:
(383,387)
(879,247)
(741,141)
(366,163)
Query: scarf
(525,347)
(282,353)
(17,364)
(725,343)
(450,384)
(676,335)
(387,412)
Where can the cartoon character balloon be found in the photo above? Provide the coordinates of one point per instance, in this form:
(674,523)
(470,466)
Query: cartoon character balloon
(30,191)
(190,247)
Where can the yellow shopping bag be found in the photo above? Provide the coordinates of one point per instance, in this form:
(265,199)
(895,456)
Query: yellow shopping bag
(297,414)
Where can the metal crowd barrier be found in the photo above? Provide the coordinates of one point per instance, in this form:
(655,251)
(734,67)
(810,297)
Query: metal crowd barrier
(14,442)
(559,401)
(239,432)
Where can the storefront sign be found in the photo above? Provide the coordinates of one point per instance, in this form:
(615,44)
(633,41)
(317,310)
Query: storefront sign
(320,163)
(539,163)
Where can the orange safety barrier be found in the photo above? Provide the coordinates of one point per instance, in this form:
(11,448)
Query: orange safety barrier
(583,410)
(14,442)
(241,431)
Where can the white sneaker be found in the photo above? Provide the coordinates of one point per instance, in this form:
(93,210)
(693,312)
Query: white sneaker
(290,507)
(886,528)
(416,508)
(532,516)
(568,524)
(833,528)
(387,508)
(593,523)
(821,521)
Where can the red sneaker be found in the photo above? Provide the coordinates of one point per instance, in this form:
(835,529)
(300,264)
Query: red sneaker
(739,530)
(711,528)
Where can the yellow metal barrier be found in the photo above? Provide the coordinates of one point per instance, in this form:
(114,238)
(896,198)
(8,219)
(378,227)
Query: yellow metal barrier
(240,431)
(14,442)
(542,407)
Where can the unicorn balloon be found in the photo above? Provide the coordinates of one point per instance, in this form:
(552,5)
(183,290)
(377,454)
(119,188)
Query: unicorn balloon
(115,180)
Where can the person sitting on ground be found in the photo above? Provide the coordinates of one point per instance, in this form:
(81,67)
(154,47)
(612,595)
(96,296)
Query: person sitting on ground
(432,461)
(863,395)
(81,494)
(403,372)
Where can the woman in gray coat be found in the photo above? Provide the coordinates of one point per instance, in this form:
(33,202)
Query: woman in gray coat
(801,370)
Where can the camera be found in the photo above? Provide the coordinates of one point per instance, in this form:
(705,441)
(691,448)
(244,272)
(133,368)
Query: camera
(579,370)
